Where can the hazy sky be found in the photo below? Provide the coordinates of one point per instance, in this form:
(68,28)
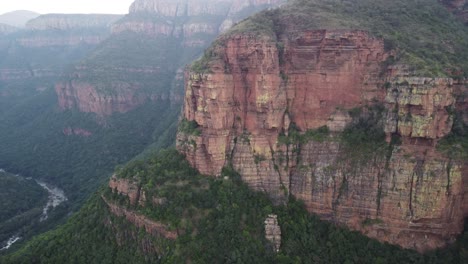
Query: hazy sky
(67,6)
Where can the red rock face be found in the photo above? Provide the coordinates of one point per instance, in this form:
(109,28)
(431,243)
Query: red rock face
(409,195)
(152,227)
(322,71)
(128,188)
(88,99)
(132,190)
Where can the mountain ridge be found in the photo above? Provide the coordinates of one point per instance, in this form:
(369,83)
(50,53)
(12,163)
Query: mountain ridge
(18,18)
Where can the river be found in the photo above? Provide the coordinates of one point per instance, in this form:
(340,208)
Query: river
(56,197)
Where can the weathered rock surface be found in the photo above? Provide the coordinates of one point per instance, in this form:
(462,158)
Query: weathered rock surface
(168,25)
(194,21)
(152,227)
(255,89)
(129,188)
(273,231)
(88,99)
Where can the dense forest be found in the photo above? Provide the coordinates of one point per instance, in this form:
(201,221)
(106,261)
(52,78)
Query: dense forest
(218,221)
(21,205)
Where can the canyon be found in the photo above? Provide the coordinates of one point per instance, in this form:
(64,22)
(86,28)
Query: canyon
(255,92)
(159,27)
(37,54)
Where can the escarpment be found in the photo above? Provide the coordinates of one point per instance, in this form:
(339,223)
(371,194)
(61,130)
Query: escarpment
(319,115)
(55,30)
(36,56)
(136,195)
(149,41)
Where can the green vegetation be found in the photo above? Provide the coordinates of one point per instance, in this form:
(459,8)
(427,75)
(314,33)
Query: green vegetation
(455,145)
(366,132)
(18,195)
(422,32)
(296,137)
(218,221)
(202,64)
(34,144)
(369,222)
(88,237)
(189,127)
(21,203)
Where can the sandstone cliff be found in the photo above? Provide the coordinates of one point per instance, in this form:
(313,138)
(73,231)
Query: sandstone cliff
(151,227)
(133,191)
(154,42)
(276,109)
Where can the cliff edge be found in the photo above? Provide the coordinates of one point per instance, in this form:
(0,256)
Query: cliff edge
(337,115)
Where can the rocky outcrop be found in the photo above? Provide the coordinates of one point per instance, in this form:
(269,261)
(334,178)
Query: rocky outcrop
(273,231)
(152,227)
(88,98)
(257,90)
(129,188)
(197,22)
(420,108)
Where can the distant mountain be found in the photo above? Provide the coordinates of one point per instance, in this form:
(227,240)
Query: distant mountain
(5,29)
(72,21)
(17,18)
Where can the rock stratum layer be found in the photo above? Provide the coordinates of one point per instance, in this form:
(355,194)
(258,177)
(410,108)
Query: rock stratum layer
(168,27)
(56,30)
(256,92)
(136,196)
(35,57)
